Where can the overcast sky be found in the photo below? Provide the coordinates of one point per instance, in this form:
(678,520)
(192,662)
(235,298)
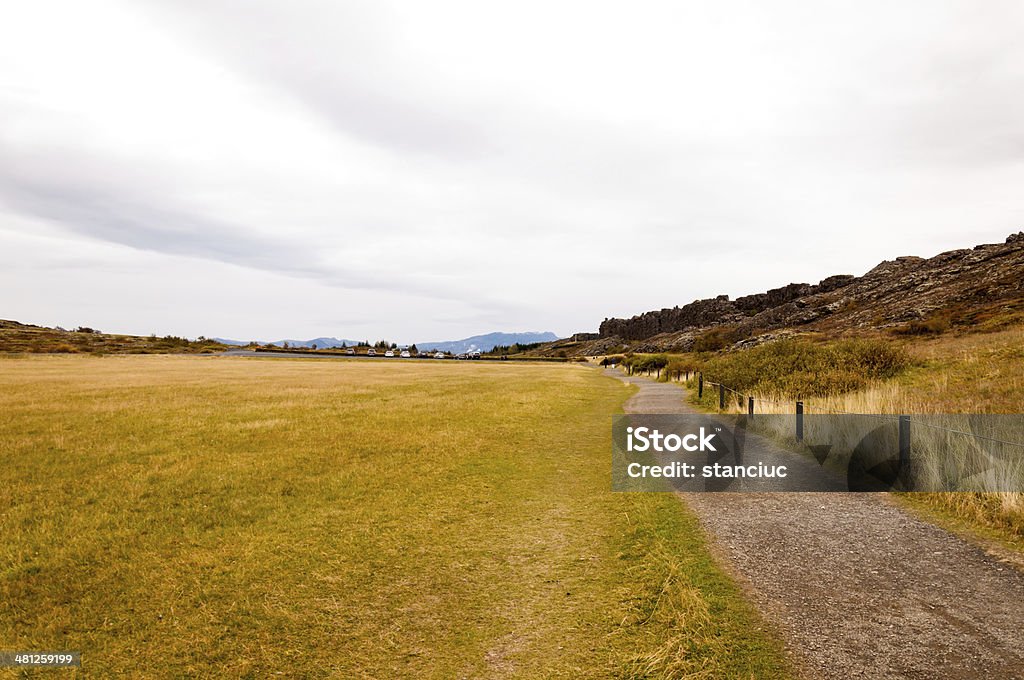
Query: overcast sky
(425,171)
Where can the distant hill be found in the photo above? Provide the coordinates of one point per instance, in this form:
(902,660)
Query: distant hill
(486,343)
(321,343)
(23,337)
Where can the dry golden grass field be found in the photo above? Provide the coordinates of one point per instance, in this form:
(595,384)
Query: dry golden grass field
(174,516)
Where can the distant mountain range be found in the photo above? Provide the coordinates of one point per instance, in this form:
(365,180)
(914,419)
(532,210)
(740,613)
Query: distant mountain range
(483,343)
(486,343)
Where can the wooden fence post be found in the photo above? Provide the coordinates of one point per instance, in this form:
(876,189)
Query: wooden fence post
(750,406)
(799,421)
(904,444)
(700,385)
(721,397)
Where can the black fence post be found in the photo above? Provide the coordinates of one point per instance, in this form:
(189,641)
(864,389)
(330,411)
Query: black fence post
(904,444)
(700,385)
(799,421)
(721,397)
(750,406)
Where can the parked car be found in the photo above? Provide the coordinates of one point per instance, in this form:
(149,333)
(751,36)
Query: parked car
(439,355)
(389,353)
(350,351)
(371,352)
(405,354)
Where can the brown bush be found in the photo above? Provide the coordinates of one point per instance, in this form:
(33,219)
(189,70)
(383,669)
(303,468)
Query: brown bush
(935,325)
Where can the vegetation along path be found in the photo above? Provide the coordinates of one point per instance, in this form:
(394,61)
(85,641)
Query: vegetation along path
(858,587)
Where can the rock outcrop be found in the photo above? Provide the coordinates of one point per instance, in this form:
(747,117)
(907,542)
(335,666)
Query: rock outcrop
(957,283)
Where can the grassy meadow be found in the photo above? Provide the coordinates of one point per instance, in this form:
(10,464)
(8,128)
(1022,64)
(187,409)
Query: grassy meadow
(176,516)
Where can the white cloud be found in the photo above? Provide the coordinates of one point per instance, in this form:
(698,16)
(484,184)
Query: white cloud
(431,170)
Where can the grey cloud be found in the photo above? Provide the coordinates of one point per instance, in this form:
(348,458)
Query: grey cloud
(148,226)
(92,198)
(121,217)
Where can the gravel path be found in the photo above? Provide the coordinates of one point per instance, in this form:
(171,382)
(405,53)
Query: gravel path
(859,588)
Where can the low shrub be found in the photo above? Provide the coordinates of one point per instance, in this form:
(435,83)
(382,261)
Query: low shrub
(679,367)
(935,325)
(645,363)
(795,367)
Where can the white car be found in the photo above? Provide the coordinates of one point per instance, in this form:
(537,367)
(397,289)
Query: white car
(406,355)
(371,352)
(439,355)
(350,351)
(389,353)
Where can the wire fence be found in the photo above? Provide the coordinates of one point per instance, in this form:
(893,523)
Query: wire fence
(947,452)
(803,407)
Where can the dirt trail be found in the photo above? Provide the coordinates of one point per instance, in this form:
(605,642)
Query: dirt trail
(859,588)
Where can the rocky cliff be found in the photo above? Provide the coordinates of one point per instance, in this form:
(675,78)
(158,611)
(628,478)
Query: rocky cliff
(954,287)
